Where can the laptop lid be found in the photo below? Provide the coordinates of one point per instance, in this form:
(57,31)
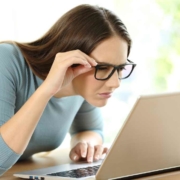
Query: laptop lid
(148,140)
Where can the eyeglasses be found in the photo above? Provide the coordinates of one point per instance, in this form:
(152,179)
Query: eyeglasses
(105,71)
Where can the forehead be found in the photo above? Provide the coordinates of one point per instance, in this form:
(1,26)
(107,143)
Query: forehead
(112,51)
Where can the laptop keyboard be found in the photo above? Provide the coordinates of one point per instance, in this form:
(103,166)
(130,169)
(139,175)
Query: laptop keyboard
(78,173)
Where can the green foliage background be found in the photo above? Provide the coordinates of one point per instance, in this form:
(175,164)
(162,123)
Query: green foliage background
(163,64)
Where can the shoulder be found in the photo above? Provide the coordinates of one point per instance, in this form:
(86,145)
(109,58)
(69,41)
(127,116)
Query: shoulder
(8,50)
(10,54)
(12,63)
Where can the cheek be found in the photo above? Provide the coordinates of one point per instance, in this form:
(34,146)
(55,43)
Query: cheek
(82,82)
(85,84)
(88,87)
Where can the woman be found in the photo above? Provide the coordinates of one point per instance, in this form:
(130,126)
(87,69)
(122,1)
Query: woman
(55,85)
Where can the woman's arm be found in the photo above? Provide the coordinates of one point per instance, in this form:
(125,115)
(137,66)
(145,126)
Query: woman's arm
(17,131)
(87,134)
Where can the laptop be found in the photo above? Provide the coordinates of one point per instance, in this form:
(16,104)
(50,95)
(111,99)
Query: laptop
(147,143)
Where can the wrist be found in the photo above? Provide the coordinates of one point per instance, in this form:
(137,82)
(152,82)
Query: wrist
(45,92)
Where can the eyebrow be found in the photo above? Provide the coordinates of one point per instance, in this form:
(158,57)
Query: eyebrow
(106,63)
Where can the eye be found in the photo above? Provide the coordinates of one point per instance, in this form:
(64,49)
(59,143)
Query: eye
(103,67)
(121,68)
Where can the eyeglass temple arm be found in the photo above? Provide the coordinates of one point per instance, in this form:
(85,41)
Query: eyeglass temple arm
(131,61)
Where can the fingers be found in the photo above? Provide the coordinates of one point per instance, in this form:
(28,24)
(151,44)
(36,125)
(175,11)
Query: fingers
(90,152)
(84,150)
(76,57)
(99,151)
(87,59)
(79,151)
(105,150)
(62,73)
(74,156)
(80,70)
(95,152)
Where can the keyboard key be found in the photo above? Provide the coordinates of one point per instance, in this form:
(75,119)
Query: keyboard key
(78,173)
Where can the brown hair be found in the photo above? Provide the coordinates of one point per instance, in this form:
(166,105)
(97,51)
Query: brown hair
(83,28)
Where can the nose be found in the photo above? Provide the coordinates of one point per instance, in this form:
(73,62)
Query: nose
(113,81)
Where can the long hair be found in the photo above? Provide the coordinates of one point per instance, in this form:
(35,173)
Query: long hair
(83,28)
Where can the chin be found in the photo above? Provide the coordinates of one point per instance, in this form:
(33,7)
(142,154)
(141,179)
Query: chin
(98,103)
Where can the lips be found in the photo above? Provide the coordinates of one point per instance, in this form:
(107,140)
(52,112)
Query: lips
(105,95)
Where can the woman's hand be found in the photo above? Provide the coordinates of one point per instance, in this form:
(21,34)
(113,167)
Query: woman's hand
(62,72)
(87,151)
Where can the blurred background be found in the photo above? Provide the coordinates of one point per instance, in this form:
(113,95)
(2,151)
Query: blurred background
(154,26)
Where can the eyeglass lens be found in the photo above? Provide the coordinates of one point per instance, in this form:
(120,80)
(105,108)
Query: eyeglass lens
(104,71)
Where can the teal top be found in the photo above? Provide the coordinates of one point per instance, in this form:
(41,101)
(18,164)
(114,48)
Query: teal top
(61,115)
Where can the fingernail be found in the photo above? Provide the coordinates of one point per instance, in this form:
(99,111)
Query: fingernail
(90,159)
(83,155)
(75,157)
(88,65)
(95,62)
(97,157)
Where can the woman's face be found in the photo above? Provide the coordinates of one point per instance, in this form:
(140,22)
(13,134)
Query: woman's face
(113,51)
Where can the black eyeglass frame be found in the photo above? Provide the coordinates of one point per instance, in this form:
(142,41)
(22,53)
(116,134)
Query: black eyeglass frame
(115,68)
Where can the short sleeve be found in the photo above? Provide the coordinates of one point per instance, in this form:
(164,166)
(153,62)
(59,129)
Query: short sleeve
(7,105)
(88,118)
